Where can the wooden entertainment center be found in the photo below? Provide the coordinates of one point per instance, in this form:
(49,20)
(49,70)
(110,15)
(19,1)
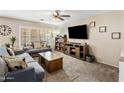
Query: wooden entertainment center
(76,50)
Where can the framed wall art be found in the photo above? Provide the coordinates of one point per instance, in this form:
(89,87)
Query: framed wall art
(102,29)
(92,24)
(116,35)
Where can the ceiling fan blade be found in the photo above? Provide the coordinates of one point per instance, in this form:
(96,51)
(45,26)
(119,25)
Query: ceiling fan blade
(61,18)
(65,16)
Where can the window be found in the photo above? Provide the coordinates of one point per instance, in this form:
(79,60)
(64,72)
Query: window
(35,35)
(25,36)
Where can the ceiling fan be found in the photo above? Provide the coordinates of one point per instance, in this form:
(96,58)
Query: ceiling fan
(56,14)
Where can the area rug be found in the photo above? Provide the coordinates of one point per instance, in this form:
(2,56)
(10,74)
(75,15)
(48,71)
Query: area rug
(75,70)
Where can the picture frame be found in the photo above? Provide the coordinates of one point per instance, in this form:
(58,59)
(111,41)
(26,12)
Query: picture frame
(116,35)
(102,29)
(92,24)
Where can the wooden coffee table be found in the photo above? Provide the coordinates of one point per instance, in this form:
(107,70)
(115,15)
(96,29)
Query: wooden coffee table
(51,61)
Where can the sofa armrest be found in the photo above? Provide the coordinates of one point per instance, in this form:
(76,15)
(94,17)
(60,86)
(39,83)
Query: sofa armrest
(17,52)
(23,75)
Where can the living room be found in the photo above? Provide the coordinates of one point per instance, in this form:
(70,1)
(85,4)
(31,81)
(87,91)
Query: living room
(103,42)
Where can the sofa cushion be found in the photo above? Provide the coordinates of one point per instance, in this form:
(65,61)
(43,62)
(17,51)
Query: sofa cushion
(27,57)
(3,69)
(39,71)
(3,52)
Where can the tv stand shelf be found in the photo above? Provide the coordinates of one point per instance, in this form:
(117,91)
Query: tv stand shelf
(76,50)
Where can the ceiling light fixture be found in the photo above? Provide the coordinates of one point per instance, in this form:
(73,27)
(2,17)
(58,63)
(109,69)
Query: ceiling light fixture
(41,19)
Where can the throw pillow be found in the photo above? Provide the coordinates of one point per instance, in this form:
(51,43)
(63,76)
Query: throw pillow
(37,45)
(10,51)
(15,63)
(3,69)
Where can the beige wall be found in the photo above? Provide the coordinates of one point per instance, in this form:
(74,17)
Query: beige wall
(105,49)
(15,24)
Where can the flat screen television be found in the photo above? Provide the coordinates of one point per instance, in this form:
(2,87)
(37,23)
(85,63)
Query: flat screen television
(78,32)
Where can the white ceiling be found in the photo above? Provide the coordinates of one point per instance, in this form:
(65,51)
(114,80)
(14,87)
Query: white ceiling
(36,15)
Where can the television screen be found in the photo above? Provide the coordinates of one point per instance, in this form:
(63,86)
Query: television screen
(78,32)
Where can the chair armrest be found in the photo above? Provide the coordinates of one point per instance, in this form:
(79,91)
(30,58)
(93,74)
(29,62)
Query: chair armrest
(23,75)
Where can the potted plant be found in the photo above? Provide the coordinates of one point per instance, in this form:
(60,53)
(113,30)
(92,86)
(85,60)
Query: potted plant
(13,39)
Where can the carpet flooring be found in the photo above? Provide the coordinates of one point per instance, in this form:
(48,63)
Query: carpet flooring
(75,70)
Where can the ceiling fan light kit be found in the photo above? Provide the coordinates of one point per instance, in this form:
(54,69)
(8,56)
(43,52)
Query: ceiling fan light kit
(41,19)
